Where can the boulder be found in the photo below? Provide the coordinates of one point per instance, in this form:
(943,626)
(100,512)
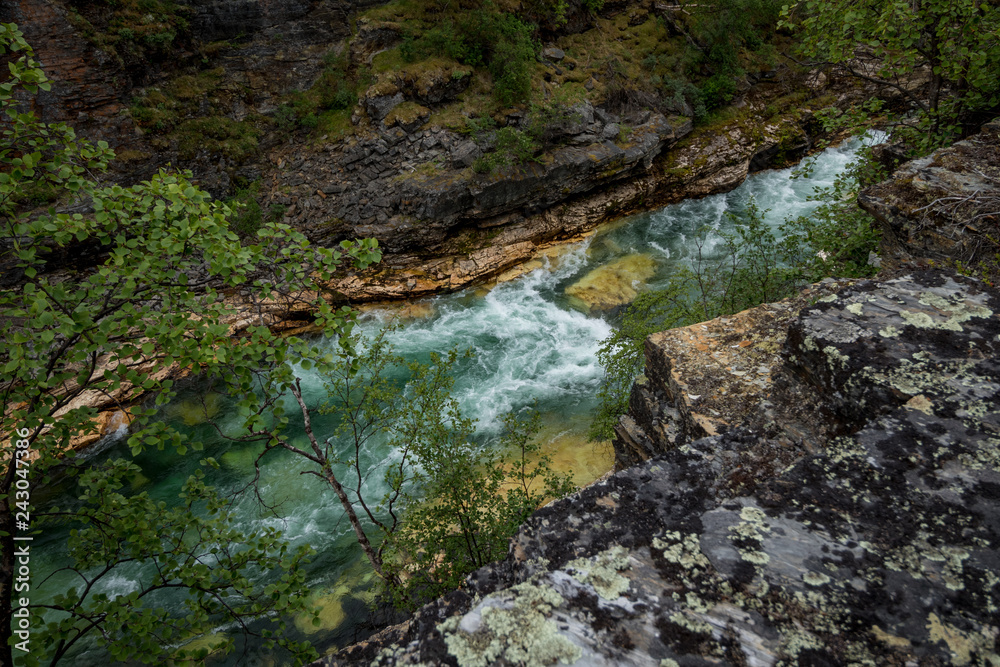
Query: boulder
(553,53)
(943,207)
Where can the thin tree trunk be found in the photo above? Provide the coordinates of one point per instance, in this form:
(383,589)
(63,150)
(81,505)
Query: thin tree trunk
(373,557)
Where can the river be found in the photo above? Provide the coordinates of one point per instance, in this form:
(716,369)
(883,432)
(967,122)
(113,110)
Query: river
(534,336)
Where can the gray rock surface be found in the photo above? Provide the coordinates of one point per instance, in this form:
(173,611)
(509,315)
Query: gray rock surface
(433,215)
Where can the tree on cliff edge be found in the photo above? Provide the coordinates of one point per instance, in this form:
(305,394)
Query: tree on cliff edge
(103,334)
(952,45)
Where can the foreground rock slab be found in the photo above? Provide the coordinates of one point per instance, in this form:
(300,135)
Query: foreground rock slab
(882,547)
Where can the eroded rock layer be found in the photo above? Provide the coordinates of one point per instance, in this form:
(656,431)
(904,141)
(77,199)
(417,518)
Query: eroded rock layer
(882,546)
(943,207)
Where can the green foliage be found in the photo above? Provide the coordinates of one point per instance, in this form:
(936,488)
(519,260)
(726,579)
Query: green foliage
(285,118)
(309,121)
(334,86)
(504,43)
(551,14)
(953,41)
(153,301)
(447,509)
(196,550)
(173,113)
(444,40)
(838,238)
(472,501)
(756,266)
(325,107)
(718,90)
(621,353)
(682,94)
(499,41)
(511,146)
(247,217)
(132,32)
(725,29)
(237,140)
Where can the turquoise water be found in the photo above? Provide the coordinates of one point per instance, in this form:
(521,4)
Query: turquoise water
(534,344)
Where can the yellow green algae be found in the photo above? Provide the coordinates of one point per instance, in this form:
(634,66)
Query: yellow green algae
(615,283)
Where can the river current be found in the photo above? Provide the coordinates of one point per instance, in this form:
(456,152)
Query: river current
(535,339)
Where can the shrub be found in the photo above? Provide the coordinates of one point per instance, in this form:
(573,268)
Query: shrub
(473,501)
(486,37)
(247,216)
(309,121)
(342,97)
(285,118)
(680,95)
(718,90)
(511,147)
(217,134)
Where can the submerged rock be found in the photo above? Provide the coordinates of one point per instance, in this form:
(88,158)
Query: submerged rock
(613,284)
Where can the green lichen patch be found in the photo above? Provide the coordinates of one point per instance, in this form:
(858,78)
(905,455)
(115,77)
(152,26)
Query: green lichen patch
(835,357)
(515,628)
(683,559)
(815,578)
(602,572)
(748,536)
(950,313)
(889,332)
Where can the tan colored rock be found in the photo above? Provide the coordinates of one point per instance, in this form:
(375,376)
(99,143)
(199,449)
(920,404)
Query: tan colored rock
(614,284)
(105,423)
(703,379)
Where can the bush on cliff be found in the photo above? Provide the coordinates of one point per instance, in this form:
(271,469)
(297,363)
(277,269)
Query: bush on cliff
(486,37)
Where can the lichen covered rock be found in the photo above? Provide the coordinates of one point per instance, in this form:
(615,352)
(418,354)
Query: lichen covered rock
(879,545)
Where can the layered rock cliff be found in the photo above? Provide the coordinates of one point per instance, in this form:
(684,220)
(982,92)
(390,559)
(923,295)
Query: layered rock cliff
(443,226)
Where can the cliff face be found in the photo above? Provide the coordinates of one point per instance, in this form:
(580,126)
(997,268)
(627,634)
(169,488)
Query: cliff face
(442,226)
(208,101)
(87,85)
(944,207)
(816,482)
(264,49)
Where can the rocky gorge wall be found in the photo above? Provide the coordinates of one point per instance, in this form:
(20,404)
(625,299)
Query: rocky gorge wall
(396,176)
(443,226)
(815,482)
